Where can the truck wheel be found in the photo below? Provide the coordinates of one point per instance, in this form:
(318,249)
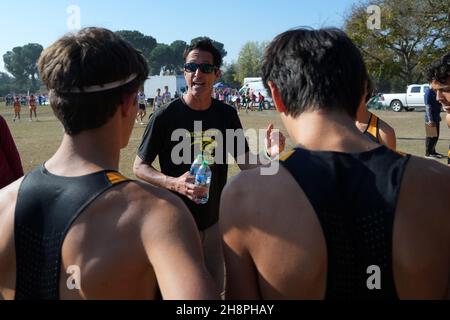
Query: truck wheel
(396,106)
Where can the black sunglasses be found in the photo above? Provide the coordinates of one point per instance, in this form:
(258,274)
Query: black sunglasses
(204,67)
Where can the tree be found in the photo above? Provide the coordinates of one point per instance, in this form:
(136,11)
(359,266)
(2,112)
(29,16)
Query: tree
(412,34)
(140,41)
(229,75)
(249,61)
(178,48)
(161,58)
(21,62)
(219,46)
(6,84)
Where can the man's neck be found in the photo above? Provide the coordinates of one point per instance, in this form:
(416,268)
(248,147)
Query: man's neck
(199,103)
(327,131)
(84,154)
(363,115)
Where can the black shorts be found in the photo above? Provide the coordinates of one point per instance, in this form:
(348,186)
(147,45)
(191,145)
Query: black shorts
(142,107)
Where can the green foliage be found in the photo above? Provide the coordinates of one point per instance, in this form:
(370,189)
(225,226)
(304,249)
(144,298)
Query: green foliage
(229,75)
(140,41)
(249,61)
(21,62)
(161,56)
(413,33)
(178,48)
(6,84)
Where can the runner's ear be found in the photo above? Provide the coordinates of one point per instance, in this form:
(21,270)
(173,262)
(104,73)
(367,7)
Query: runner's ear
(276,96)
(129,103)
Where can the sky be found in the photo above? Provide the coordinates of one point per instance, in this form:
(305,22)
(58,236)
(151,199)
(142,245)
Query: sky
(232,22)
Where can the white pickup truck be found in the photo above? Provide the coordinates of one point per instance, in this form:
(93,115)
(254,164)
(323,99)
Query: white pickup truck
(412,99)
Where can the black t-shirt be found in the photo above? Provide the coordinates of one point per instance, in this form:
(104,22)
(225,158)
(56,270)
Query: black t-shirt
(176,121)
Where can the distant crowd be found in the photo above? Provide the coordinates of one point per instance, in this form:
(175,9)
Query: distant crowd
(244,98)
(24,99)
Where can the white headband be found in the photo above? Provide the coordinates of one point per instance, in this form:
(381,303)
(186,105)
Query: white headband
(101,87)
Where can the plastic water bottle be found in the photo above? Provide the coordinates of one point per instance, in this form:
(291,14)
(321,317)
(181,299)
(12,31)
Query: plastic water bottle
(203,179)
(196,165)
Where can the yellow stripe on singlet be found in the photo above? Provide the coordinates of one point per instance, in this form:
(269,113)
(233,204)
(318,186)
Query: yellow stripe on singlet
(403,154)
(115,177)
(286,155)
(372,129)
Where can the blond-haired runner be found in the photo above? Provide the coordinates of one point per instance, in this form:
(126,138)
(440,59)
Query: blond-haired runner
(75,228)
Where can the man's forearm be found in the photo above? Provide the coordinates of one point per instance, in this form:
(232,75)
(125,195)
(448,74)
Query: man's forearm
(155,177)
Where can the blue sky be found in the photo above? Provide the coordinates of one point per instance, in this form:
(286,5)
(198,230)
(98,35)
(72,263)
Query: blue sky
(232,22)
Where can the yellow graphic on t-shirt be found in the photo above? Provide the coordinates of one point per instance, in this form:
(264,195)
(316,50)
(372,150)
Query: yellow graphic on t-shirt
(207,142)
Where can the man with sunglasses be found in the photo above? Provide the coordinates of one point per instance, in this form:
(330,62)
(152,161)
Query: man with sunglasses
(202,69)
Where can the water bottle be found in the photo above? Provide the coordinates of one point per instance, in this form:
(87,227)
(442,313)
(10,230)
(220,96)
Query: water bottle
(196,165)
(203,179)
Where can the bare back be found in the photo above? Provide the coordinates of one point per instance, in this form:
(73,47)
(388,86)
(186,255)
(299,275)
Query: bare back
(275,247)
(132,238)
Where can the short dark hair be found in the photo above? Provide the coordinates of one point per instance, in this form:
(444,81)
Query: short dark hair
(92,56)
(205,45)
(439,70)
(316,69)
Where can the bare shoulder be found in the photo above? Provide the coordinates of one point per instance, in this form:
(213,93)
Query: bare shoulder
(243,191)
(8,200)
(255,198)
(386,128)
(426,183)
(387,135)
(8,196)
(150,200)
(430,172)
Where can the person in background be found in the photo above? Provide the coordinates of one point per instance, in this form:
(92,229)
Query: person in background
(32,107)
(438,74)
(373,127)
(260,102)
(17,108)
(432,124)
(167,97)
(142,108)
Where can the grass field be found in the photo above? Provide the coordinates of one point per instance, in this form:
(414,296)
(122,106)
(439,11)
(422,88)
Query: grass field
(37,141)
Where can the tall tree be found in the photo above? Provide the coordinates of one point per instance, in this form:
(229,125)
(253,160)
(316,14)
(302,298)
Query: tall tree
(249,61)
(219,46)
(411,34)
(21,62)
(6,84)
(229,75)
(178,48)
(161,58)
(140,41)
